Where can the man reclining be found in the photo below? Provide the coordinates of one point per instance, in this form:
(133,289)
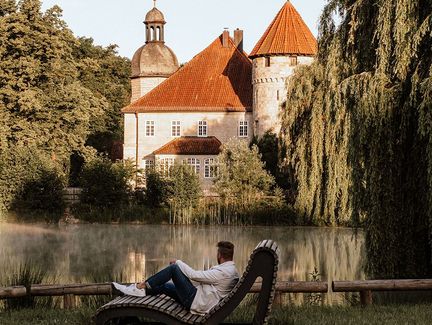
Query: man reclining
(197,291)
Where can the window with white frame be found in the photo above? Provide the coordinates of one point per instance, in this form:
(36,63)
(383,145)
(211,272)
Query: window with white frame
(165,165)
(149,128)
(202,128)
(194,163)
(175,128)
(148,164)
(243,129)
(210,168)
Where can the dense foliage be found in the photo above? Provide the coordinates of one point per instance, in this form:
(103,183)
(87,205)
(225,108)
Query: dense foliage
(358,135)
(59,95)
(157,190)
(106,184)
(185,191)
(29,180)
(268,148)
(241,173)
(179,189)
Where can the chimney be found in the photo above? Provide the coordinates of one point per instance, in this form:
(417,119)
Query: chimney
(225,38)
(238,39)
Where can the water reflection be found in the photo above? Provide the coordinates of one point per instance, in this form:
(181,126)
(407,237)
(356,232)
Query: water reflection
(89,253)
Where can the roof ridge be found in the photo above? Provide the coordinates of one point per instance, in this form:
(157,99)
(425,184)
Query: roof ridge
(190,145)
(279,22)
(242,52)
(216,79)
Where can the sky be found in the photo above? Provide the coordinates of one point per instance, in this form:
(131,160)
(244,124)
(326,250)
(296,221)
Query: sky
(191,24)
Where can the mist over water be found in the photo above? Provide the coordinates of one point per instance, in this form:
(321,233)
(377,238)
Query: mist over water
(98,253)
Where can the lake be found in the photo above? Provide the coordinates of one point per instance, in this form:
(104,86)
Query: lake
(98,253)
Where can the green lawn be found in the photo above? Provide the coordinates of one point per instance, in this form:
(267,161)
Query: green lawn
(399,314)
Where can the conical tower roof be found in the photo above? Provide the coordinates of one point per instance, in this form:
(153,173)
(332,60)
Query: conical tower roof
(288,34)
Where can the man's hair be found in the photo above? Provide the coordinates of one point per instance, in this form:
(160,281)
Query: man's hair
(226,250)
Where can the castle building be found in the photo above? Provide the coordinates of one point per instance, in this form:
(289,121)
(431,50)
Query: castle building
(186,114)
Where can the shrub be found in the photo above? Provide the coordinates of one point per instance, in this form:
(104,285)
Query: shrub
(185,190)
(106,184)
(157,191)
(29,179)
(43,193)
(241,173)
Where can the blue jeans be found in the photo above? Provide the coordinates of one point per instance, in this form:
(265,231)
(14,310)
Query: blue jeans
(172,282)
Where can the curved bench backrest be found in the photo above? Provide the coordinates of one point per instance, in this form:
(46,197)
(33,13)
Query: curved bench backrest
(263,263)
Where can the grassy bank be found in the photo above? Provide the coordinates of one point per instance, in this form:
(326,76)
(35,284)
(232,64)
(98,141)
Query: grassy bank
(393,314)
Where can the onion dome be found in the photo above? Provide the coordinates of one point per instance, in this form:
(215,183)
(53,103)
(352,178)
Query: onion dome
(154,15)
(154,60)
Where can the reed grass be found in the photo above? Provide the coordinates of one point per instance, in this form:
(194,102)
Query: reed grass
(209,211)
(121,214)
(25,274)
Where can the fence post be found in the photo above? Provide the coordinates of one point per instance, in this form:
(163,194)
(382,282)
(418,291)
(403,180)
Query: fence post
(366,298)
(69,301)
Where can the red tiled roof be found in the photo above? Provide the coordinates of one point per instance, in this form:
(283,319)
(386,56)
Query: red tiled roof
(287,34)
(219,79)
(191,146)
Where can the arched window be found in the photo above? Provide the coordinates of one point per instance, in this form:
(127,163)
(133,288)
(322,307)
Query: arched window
(159,34)
(148,37)
(152,34)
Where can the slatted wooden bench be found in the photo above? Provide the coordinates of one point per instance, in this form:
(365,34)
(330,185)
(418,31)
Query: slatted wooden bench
(263,263)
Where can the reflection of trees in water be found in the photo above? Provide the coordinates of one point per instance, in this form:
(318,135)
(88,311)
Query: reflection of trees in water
(90,253)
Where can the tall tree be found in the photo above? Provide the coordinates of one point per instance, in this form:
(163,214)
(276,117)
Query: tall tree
(56,92)
(358,134)
(107,75)
(241,175)
(39,89)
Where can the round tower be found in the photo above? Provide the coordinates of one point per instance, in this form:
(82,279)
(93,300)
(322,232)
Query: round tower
(153,62)
(287,43)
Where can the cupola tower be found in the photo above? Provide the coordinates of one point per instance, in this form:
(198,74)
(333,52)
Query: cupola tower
(154,62)
(286,43)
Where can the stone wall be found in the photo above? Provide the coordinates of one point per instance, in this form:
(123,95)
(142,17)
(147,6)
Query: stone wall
(143,85)
(269,89)
(223,126)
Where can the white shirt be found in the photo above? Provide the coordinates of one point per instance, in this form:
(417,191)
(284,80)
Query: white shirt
(212,285)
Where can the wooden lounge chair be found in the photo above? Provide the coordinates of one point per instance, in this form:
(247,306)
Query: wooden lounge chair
(263,263)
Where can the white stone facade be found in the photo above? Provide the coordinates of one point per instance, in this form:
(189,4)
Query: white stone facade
(223,126)
(269,76)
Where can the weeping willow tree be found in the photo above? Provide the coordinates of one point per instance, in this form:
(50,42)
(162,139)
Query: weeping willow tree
(356,136)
